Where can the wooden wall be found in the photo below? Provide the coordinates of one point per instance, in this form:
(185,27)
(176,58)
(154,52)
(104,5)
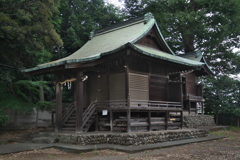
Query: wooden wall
(175,92)
(138,86)
(99,88)
(158,86)
(117,86)
(191,84)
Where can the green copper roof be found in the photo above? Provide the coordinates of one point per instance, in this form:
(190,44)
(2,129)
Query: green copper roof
(112,39)
(195,56)
(165,56)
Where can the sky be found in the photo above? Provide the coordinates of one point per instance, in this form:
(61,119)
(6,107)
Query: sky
(118,3)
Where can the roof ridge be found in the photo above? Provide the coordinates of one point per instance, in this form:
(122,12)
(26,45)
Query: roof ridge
(145,18)
(119,25)
(117,28)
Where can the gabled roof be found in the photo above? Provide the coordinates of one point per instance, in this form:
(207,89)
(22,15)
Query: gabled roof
(112,39)
(198,56)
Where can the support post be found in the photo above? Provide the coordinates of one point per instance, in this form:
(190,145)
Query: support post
(128,120)
(96,122)
(189,107)
(79,103)
(58,107)
(181,113)
(111,120)
(196,109)
(149,121)
(166,120)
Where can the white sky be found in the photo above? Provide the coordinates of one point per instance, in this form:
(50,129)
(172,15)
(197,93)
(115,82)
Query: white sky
(119,3)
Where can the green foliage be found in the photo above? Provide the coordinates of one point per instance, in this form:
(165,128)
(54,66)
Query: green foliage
(80,17)
(3,119)
(27,37)
(21,95)
(205,25)
(44,105)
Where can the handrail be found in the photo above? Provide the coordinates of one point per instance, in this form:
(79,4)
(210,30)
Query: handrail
(89,112)
(190,97)
(67,113)
(137,103)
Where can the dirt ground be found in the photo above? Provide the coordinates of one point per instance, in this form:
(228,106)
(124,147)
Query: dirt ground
(224,149)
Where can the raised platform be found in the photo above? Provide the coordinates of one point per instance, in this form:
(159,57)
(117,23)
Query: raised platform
(126,139)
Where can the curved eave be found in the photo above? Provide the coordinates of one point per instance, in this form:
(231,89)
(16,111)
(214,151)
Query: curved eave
(66,62)
(194,64)
(207,68)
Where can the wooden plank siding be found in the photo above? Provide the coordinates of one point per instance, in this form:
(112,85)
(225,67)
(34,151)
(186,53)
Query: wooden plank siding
(117,86)
(99,88)
(158,86)
(191,84)
(138,86)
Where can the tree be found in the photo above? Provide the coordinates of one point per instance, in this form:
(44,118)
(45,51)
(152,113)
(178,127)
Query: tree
(207,25)
(222,96)
(134,8)
(27,36)
(192,25)
(80,17)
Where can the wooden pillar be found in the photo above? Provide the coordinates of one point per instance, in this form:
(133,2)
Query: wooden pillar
(96,121)
(202,108)
(166,120)
(189,107)
(79,103)
(149,121)
(58,107)
(181,119)
(128,121)
(111,120)
(196,109)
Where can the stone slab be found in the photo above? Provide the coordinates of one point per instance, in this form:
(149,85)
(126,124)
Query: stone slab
(20,147)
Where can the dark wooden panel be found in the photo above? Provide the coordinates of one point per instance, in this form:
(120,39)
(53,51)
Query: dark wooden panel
(117,86)
(99,89)
(174,92)
(158,88)
(191,84)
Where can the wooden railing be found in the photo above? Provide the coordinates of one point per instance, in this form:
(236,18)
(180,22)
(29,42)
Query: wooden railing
(138,103)
(164,104)
(89,112)
(112,103)
(67,113)
(193,98)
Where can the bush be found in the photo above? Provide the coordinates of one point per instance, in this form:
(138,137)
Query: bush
(3,119)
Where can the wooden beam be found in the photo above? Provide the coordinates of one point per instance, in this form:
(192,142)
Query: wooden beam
(79,103)
(58,107)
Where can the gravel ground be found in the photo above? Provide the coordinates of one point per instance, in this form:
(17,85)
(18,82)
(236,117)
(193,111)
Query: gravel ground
(224,149)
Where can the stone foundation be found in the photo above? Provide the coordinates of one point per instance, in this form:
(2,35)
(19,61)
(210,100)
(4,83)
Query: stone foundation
(194,121)
(129,139)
